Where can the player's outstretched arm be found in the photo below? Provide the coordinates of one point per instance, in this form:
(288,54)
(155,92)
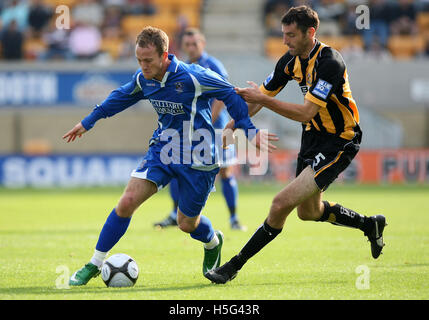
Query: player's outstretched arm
(77,131)
(297,112)
(254,108)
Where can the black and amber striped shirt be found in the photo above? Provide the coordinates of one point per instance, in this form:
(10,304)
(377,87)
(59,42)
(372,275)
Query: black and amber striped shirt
(323,80)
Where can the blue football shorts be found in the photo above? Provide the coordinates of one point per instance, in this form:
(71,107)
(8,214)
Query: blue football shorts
(194,185)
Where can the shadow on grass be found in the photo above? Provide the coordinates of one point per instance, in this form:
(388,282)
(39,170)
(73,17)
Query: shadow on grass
(94,290)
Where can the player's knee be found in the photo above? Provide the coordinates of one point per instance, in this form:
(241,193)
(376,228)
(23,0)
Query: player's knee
(280,206)
(308,214)
(303,214)
(126,205)
(186,226)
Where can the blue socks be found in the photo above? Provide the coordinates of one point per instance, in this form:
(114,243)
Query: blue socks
(112,231)
(230,192)
(204,232)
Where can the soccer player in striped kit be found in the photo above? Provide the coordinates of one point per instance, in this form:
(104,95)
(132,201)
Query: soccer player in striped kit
(331,137)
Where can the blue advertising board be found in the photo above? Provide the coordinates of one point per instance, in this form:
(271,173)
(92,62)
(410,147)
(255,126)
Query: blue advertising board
(18,171)
(54,88)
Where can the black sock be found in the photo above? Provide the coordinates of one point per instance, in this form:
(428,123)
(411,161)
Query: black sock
(260,238)
(341,216)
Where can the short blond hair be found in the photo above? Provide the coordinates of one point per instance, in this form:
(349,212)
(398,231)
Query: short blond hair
(155,37)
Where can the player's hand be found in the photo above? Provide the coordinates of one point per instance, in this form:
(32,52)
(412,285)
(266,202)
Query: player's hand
(228,134)
(77,131)
(251,94)
(262,141)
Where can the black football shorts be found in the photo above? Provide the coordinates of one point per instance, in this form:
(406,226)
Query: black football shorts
(327,154)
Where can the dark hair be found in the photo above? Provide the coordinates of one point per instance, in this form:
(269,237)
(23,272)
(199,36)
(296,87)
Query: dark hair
(193,32)
(155,37)
(303,16)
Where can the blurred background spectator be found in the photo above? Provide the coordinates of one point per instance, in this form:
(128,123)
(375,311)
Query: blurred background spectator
(330,12)
(38,17)
(15,10)
(397,29)
(12,41)
(403,15)
(85,41)
(141,7)
(57,43)
(381,15)
(88,12)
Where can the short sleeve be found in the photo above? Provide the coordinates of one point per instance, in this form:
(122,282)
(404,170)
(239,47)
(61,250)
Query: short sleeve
(329,76)
(277,79)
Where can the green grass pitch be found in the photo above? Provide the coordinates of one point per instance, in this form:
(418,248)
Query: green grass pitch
(46,233)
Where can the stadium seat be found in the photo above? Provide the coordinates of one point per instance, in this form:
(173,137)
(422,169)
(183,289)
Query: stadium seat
(133,25)
(405,47)
(274,47)
(55,3)
(423,21)
(339,43)
(33,48)
(178,3)
(192,15)
(112,46)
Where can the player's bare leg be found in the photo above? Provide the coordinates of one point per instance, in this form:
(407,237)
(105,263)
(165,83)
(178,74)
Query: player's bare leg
(312,208)
(136,192)
(171,219)
(304,194)
(300,189)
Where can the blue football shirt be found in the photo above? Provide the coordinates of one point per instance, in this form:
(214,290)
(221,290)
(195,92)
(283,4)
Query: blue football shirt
(182,102)
(210,62)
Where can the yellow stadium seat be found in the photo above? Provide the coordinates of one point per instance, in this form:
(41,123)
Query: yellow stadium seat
(274,47)
(178,3)
(342,42)
(55,3)
(405,47)
(423,21)
(132,25)
(113,46)
(33,48)
(193,17)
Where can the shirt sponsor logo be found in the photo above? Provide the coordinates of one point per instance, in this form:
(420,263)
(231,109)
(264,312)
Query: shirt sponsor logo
(304,90)
(167,107)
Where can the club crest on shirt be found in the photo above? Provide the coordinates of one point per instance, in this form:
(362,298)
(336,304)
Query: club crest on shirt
(309,79)
(179,87)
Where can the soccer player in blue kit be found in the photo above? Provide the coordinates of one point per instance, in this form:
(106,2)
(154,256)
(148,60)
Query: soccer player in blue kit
(193,44)
(182,147)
